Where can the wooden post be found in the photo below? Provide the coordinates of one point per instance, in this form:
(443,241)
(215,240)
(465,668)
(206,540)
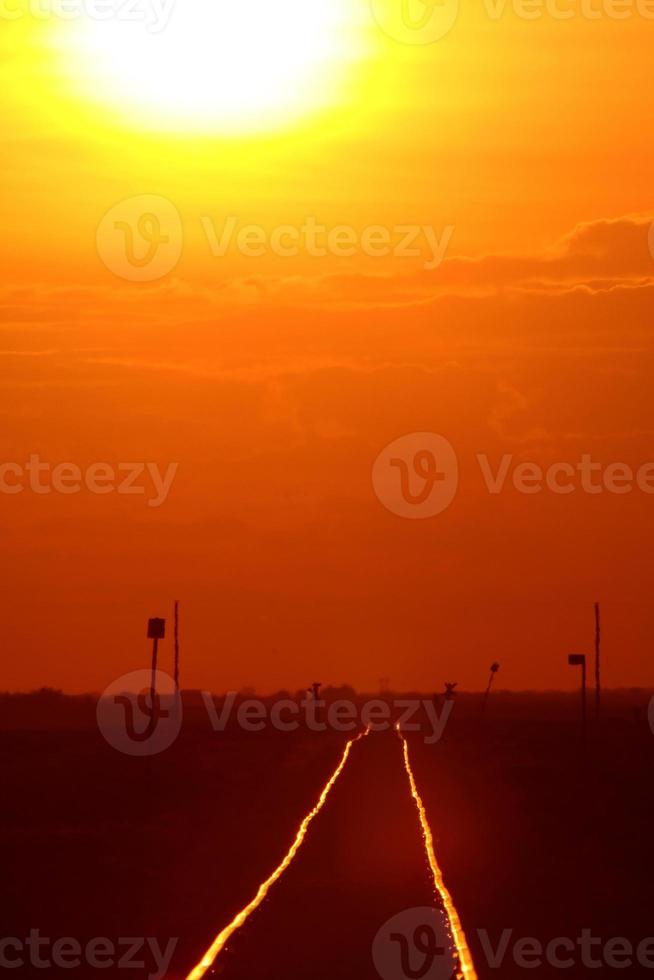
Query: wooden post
(156,632)
(583,697)
(598,686)
(579,660)
(153,682)
(176,646)
(494,669)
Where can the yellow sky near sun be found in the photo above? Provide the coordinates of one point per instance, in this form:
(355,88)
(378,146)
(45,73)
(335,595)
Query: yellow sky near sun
(509,130)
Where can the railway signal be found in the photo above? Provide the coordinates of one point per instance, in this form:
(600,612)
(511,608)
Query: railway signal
(176,634)
(156,632)
(579,660)
(597,661)
(493,670)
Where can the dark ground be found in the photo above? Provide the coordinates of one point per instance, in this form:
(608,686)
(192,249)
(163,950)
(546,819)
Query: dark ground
(544,837)
(533,835)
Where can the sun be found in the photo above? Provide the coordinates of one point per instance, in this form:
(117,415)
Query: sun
(228,65)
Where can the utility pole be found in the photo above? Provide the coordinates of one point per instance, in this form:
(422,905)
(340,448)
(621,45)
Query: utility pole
(176,670)
(598,637)
(579,660)
(156,632)
(493,670)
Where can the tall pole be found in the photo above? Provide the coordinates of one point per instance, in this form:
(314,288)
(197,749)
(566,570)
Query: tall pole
(598,637)
(153,682)
(156,632)
(493,670)
(579,660)
(583,696)
(176,646)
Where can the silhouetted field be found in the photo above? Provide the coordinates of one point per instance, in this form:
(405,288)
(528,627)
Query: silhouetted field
(535,832)
(95,843)
(544,836)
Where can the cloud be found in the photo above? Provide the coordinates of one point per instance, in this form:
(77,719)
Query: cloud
(596,256)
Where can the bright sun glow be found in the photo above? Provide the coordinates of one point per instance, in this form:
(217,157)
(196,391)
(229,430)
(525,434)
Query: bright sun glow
(229,65)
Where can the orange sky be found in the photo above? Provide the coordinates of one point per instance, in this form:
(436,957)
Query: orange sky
(274,381)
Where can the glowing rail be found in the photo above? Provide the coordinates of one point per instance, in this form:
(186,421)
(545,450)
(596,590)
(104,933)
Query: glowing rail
(467,969)
(221,939)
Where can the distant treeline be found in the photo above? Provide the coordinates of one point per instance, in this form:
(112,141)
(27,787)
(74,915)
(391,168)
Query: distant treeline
(52,709)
